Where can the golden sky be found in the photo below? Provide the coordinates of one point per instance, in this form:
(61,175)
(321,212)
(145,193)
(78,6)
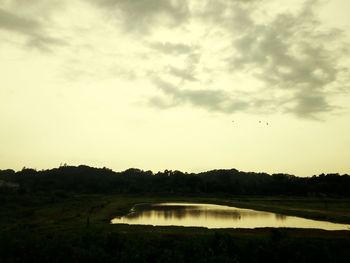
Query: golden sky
(170,84)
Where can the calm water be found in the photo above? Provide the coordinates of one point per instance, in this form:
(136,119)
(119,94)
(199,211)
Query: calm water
(215,216)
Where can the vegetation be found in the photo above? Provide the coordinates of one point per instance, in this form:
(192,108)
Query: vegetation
(170,244)
(63,215)
(84,179)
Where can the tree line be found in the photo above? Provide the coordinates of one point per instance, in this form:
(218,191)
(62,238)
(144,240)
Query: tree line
(85,179)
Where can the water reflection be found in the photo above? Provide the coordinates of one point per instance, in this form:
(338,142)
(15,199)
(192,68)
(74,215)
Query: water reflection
(215,216)
(280,217)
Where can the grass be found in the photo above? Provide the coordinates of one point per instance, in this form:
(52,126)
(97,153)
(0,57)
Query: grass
(48,228)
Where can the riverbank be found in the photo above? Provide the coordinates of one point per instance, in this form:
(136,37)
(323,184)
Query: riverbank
(333,210)
(66,209)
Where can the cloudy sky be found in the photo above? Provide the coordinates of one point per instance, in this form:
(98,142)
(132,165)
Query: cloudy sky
(257,85)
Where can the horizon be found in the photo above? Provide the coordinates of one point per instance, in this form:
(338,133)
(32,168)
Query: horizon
(154,172)
(191,85)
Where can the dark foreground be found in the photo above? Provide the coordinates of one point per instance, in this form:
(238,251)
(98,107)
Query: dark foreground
(170,244)
(63,215)
(75,228)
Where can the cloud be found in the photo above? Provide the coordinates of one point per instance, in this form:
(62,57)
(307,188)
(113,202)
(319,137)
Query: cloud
(32,29)
(212,100)
(183,74)
(141,15)
(293,53)
(307,103)
(288,61)
(170,48)
(12,22)
(294,57)
(189,54)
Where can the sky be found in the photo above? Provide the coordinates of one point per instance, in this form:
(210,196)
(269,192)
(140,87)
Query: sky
(256,85)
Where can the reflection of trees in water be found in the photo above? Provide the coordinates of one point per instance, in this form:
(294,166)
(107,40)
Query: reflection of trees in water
(181,212)
(280,217)
(133,215)
(169,214)
(208,216)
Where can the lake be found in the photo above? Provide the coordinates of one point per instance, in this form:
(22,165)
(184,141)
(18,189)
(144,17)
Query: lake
(215,216)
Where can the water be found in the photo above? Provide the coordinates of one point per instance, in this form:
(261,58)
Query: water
(215,216)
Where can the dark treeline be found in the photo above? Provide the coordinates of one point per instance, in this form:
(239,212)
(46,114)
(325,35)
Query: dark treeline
(85,179)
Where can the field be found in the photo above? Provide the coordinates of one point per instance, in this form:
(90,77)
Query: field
(71,228)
